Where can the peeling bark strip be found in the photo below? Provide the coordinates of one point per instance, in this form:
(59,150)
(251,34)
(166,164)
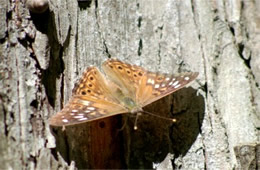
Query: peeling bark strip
(41,56)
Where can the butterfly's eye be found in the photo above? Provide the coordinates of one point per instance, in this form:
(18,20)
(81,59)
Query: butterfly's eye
(140,74)
(119,67)
(83,93)
(159,78)
(91,78)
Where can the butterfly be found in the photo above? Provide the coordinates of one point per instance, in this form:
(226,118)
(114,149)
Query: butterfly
(125,88)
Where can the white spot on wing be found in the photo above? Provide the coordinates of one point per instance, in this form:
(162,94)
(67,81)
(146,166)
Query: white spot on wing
(83,119)
(87,111)
(86,103)
(150,81)
(163,85)
(74,111)
(79,116)
(91,108)
(167,78)
(65,120)
(72,114)
(186,78)
(175,83)
(157,86)
(177,86)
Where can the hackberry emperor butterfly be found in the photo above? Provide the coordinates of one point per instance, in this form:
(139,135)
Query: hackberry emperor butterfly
(127,88)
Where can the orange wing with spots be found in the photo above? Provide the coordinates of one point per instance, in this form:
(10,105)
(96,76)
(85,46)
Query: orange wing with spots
(155,86)
(142,86)
(92,99)
(127,77)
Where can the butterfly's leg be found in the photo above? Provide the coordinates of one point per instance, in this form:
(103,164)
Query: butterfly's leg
(63,128)
(137,115)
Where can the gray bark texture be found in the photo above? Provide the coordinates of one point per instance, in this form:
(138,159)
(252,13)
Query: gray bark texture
(218,117)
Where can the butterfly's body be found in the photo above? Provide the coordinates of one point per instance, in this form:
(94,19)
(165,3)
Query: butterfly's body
(130,105)
(125,88)
(127,102)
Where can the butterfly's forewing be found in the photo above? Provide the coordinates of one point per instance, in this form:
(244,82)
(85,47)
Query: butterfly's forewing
(154,86)
(126,76)
(92,99)
(93,84)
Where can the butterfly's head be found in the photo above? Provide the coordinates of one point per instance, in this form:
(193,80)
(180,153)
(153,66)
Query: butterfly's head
(136,110)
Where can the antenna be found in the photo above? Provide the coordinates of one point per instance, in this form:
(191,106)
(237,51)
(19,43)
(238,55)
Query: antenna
(165,118)
(161,117)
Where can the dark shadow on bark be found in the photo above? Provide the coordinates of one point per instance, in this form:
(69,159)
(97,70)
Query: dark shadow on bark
(155,137)
(56,65)
(54,54)
(189,120)
(84,4)
(41,21)
(50,75)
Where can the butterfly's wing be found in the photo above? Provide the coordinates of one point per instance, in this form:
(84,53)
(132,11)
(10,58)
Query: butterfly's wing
(142,86)
(154,86)
(83,109)
(127,77)
(92,99)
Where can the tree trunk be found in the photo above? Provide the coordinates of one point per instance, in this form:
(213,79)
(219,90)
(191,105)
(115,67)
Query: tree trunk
(218,117)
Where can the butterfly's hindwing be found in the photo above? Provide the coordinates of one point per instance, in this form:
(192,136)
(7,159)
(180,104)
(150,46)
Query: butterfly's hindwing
(83,109)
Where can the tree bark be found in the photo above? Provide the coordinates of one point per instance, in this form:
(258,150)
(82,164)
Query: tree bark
(218,117)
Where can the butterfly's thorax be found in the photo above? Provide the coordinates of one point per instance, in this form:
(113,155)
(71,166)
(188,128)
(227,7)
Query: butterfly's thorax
(131,105)
(127,102)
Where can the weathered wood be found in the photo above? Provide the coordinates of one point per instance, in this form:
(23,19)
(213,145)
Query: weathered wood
(247,156)
(42,56)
